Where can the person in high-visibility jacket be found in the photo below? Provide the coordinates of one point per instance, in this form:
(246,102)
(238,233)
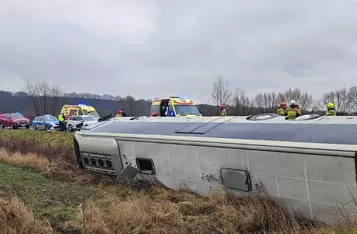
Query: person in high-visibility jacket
(222,111)
(331,109)
(292,111)
(61,122)
(298,108)
(282,109)
(119,113)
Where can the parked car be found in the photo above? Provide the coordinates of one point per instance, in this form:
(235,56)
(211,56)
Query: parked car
(73,121)
(14,121)
(45,122)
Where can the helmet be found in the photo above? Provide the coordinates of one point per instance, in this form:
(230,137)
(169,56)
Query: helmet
(221,107)
(297,106)
(292,102)
(282,104)
(120,111)
(330,105)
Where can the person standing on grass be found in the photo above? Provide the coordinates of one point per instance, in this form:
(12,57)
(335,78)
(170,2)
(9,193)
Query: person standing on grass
(61,122)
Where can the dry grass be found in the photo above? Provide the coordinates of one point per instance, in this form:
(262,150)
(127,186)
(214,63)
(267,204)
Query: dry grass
(16,217)
(160,210)
(183,212)
(30,161)
(54,167)
(61,153)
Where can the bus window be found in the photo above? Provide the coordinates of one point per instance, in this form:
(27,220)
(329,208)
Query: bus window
(187,110)
(155,110)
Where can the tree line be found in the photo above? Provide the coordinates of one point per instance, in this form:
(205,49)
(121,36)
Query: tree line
(238,103)
(43,98)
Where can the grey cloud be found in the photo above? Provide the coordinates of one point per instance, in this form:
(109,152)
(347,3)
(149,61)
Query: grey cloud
(154,48)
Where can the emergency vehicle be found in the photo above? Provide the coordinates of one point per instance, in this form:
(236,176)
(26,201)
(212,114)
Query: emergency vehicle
(174,106)
(80,109)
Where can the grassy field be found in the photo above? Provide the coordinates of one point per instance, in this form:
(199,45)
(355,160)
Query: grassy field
(46,139)
(42,194)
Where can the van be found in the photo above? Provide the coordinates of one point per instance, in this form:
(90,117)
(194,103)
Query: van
(80,109)
(174,107)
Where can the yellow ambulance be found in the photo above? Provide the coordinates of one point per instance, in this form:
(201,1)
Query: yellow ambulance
(174,107)
(80,109)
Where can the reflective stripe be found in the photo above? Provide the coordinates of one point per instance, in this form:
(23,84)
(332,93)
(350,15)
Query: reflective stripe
(281,111)
(292,113)
(223,113)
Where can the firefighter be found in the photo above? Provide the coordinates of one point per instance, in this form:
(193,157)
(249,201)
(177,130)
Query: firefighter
(119,113)
(222,111)
(298,108)
(292,111)
(282,109)
(330,109)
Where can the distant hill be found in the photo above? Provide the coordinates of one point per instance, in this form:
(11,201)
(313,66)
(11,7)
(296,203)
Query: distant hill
(25,105)
(141,107)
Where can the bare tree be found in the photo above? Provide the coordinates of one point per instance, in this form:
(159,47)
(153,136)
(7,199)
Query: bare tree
(266,102)
(304,99)
(345,100)
(129,104)
(242,105)
(45,99)
(220,92)
(57,100)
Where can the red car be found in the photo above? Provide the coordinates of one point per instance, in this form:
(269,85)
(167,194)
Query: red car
(14,121)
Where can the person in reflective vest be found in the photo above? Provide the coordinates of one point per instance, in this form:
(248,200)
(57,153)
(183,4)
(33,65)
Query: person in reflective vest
(119,113)
(298,108)
(293,112)
(331,109)
(223,111)
(282,109)
(61,122)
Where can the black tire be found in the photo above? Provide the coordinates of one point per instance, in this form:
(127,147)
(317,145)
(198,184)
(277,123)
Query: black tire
(70,128)
(34,127)
(12,126)
(1,126)
(27,126)
(46,128)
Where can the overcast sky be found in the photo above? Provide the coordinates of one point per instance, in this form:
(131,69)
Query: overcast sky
(165,47)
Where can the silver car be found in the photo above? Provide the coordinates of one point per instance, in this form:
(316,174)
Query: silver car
(73,121)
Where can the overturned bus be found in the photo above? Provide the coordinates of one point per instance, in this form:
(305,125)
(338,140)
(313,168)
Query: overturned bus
(308,164)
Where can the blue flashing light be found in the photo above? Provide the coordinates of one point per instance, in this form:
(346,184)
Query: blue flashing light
(82,104)
(171,113)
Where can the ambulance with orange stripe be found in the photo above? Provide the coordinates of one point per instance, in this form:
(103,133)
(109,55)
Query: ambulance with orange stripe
(174,106)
